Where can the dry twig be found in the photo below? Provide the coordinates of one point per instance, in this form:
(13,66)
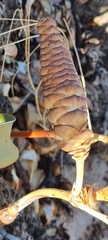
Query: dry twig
(9,214)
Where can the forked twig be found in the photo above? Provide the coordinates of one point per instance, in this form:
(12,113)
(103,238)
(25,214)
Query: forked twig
(9,214)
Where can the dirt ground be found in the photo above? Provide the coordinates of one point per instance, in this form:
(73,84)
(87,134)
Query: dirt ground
(41,163)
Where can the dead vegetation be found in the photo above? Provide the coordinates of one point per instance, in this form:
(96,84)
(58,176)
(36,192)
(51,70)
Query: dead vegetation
(20,74)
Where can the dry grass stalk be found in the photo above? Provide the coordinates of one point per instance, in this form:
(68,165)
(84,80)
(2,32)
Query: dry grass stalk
(17,10)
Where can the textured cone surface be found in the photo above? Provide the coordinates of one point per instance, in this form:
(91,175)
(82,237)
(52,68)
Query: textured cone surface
(63,95)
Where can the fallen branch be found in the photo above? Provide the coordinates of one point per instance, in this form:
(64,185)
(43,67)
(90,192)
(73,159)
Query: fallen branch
(9,214)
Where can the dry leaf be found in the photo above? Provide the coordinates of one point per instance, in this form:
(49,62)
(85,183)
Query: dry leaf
(11,51)
(46,6)
(103,9)
(29,160)
(37,178)
(16,181)
(15,102)
(93,40)
(67,4)
(5,87)
(102,19)
(56,170)
(32,116)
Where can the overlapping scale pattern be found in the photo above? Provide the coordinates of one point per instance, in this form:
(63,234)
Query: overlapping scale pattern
(63,95)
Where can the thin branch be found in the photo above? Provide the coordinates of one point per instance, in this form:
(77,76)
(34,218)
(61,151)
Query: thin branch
(15,29)
(17,19)
(22,40)
(9,214)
